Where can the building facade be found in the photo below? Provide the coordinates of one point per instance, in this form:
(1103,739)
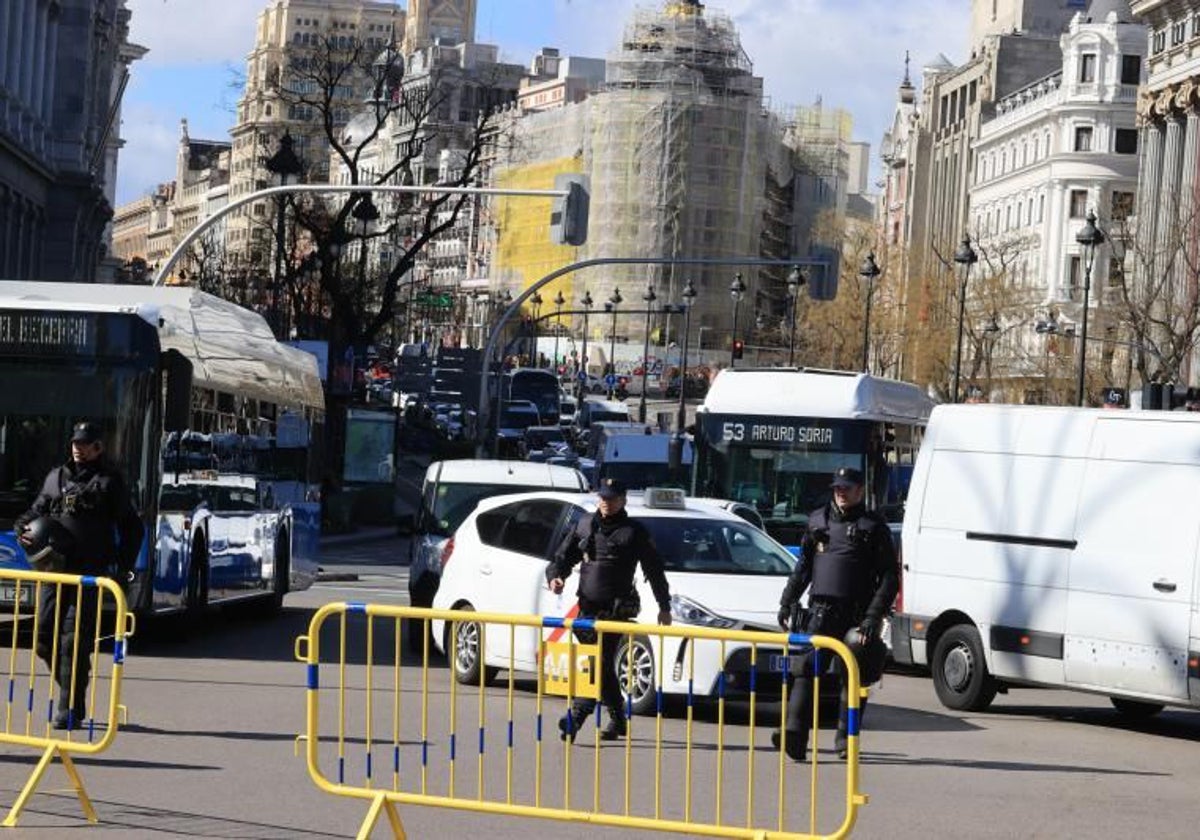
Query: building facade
(1050,153)
(64,65)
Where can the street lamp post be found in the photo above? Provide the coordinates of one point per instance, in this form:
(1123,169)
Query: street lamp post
(676,451)
(559,300)
(614,301)
(649,296)
(966,257)
(869,272)
(1089,238)
(283,163)
(536,303)
(581,373)
(794,281)
(737,289)
(365,212)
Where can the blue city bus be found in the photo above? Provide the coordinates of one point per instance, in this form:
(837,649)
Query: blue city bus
(216,426)
(774,437)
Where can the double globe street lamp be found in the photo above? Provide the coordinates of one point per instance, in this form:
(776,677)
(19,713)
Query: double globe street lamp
(649,297)
(869,272)
(1089,238)
(559,300)
(795,281)
(614,301)
(737,289)
(965,257)
(587,303)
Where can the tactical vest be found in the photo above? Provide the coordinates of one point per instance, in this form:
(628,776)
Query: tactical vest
(843,566)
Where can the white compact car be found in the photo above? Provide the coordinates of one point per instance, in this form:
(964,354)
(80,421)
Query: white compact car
(723,573)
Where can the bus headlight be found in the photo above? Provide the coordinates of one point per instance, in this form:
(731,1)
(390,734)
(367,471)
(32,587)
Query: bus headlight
(687,611)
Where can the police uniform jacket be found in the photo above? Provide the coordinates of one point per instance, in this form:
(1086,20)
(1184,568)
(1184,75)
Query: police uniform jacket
(848,559)
(609,549)
(92,503)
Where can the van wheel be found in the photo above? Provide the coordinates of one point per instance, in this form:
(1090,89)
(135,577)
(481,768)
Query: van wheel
(1136,709)
(645,698)
(960,674)
(465,648)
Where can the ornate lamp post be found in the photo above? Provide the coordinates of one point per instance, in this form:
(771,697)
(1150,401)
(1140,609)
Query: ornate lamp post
(285,164)
(676,452)
(536,303)
(966,257)
(614,301)
(559,300)
(586,302)
(869,272)
(649,296)
(1089,238)
(795,280)
(737,289)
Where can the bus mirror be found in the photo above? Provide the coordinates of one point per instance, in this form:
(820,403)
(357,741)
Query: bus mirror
(177,409)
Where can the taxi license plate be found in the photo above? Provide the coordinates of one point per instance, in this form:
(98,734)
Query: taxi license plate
(8,593)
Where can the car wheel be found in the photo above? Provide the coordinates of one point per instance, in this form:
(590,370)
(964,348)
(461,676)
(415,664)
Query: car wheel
(465,651)
(644,695)
(1136,709)
(960,674)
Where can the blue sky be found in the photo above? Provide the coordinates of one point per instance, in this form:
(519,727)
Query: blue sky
(850,53)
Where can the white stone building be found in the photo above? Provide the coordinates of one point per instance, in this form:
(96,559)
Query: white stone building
(1054,150)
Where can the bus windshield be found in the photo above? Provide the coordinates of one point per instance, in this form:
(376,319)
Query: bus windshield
(40,402)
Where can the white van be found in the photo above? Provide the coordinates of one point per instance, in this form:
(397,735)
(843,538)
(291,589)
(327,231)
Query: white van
(448,495)
(1057,547)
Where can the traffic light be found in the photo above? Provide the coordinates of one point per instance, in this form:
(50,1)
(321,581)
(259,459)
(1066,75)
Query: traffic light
(739,347)
(569,214)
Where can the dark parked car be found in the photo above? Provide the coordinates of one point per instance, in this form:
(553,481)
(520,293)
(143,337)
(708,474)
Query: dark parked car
(697,386)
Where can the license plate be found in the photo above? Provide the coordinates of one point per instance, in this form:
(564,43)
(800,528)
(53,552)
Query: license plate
(8,593)
(794,663)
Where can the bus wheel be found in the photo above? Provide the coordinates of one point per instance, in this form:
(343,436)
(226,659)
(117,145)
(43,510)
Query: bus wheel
(283,570)
(1135,709)
(197,585)
(960,674)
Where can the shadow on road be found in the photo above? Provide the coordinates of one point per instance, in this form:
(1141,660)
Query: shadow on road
(901,760)
(1179,724)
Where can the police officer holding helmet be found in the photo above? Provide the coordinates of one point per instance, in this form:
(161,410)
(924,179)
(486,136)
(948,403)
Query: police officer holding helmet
(82,522)
(609,545)
(848,564)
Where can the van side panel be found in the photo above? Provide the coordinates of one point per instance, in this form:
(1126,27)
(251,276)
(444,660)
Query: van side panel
(1133,573)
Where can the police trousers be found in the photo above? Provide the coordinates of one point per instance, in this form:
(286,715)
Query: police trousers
(610,689)
(60,615)
(822,619)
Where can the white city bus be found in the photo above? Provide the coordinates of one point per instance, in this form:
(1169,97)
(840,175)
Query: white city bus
(774,437)
(215,425)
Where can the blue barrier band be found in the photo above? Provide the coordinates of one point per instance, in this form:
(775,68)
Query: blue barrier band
(91,729)
(88,580)
(799,639)
(720,684)
(29,708)
(659,702)
(481,740)
(356,607)
(453,745)
(12,687)
(314,679)
(551,621)
(368,764)
(598,718)
(510,734)
(396,759)
(787,661)
(118,651)
(753,677)
(584,624)
(424,753)
(628,706)
(539,726)
(341,770)
(689,694)
(852,721)
(816,662)
(49,710)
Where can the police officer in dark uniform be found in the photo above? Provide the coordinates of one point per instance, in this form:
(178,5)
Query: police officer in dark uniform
(89,505)
(609,545)
(848,564)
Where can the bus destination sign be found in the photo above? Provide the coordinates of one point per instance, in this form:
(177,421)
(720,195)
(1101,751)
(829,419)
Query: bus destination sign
(774,432)
(41,332)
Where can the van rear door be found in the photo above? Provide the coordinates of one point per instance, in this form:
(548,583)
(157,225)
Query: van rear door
(1133,570)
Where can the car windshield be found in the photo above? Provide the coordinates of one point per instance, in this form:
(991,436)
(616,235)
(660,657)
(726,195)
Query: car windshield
(714,546)
(454,502)
(518,418)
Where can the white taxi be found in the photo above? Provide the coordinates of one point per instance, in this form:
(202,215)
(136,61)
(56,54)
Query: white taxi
(722,571)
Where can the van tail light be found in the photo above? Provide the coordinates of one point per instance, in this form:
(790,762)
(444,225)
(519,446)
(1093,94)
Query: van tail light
(447,550)
(900,572)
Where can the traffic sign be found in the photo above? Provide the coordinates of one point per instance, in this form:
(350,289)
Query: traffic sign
(610,380)
(583,376)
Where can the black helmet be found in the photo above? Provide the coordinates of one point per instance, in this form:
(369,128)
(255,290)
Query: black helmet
(48,544)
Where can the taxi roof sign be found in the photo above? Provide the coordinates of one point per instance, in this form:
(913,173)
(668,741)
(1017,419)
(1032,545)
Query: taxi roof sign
(670,498)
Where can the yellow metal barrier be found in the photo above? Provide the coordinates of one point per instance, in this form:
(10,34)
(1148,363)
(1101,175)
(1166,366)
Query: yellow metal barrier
(698,770)
(63,619)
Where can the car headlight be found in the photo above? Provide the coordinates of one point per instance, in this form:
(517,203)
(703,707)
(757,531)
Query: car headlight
(687,611)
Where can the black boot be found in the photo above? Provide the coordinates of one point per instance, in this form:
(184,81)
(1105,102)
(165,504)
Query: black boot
(839,741)
(795,743)
(617,726)
(570,724)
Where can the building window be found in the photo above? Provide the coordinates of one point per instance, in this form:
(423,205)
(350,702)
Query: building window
(1131,68)
(1087,67)
(1074,276)
(1079,201)
(1041,208)
(1126,142)
(1083,138)
(1122,206)
(1158,42)
(1178,33)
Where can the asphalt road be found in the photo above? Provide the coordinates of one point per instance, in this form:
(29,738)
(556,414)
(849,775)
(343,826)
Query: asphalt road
(213,718)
